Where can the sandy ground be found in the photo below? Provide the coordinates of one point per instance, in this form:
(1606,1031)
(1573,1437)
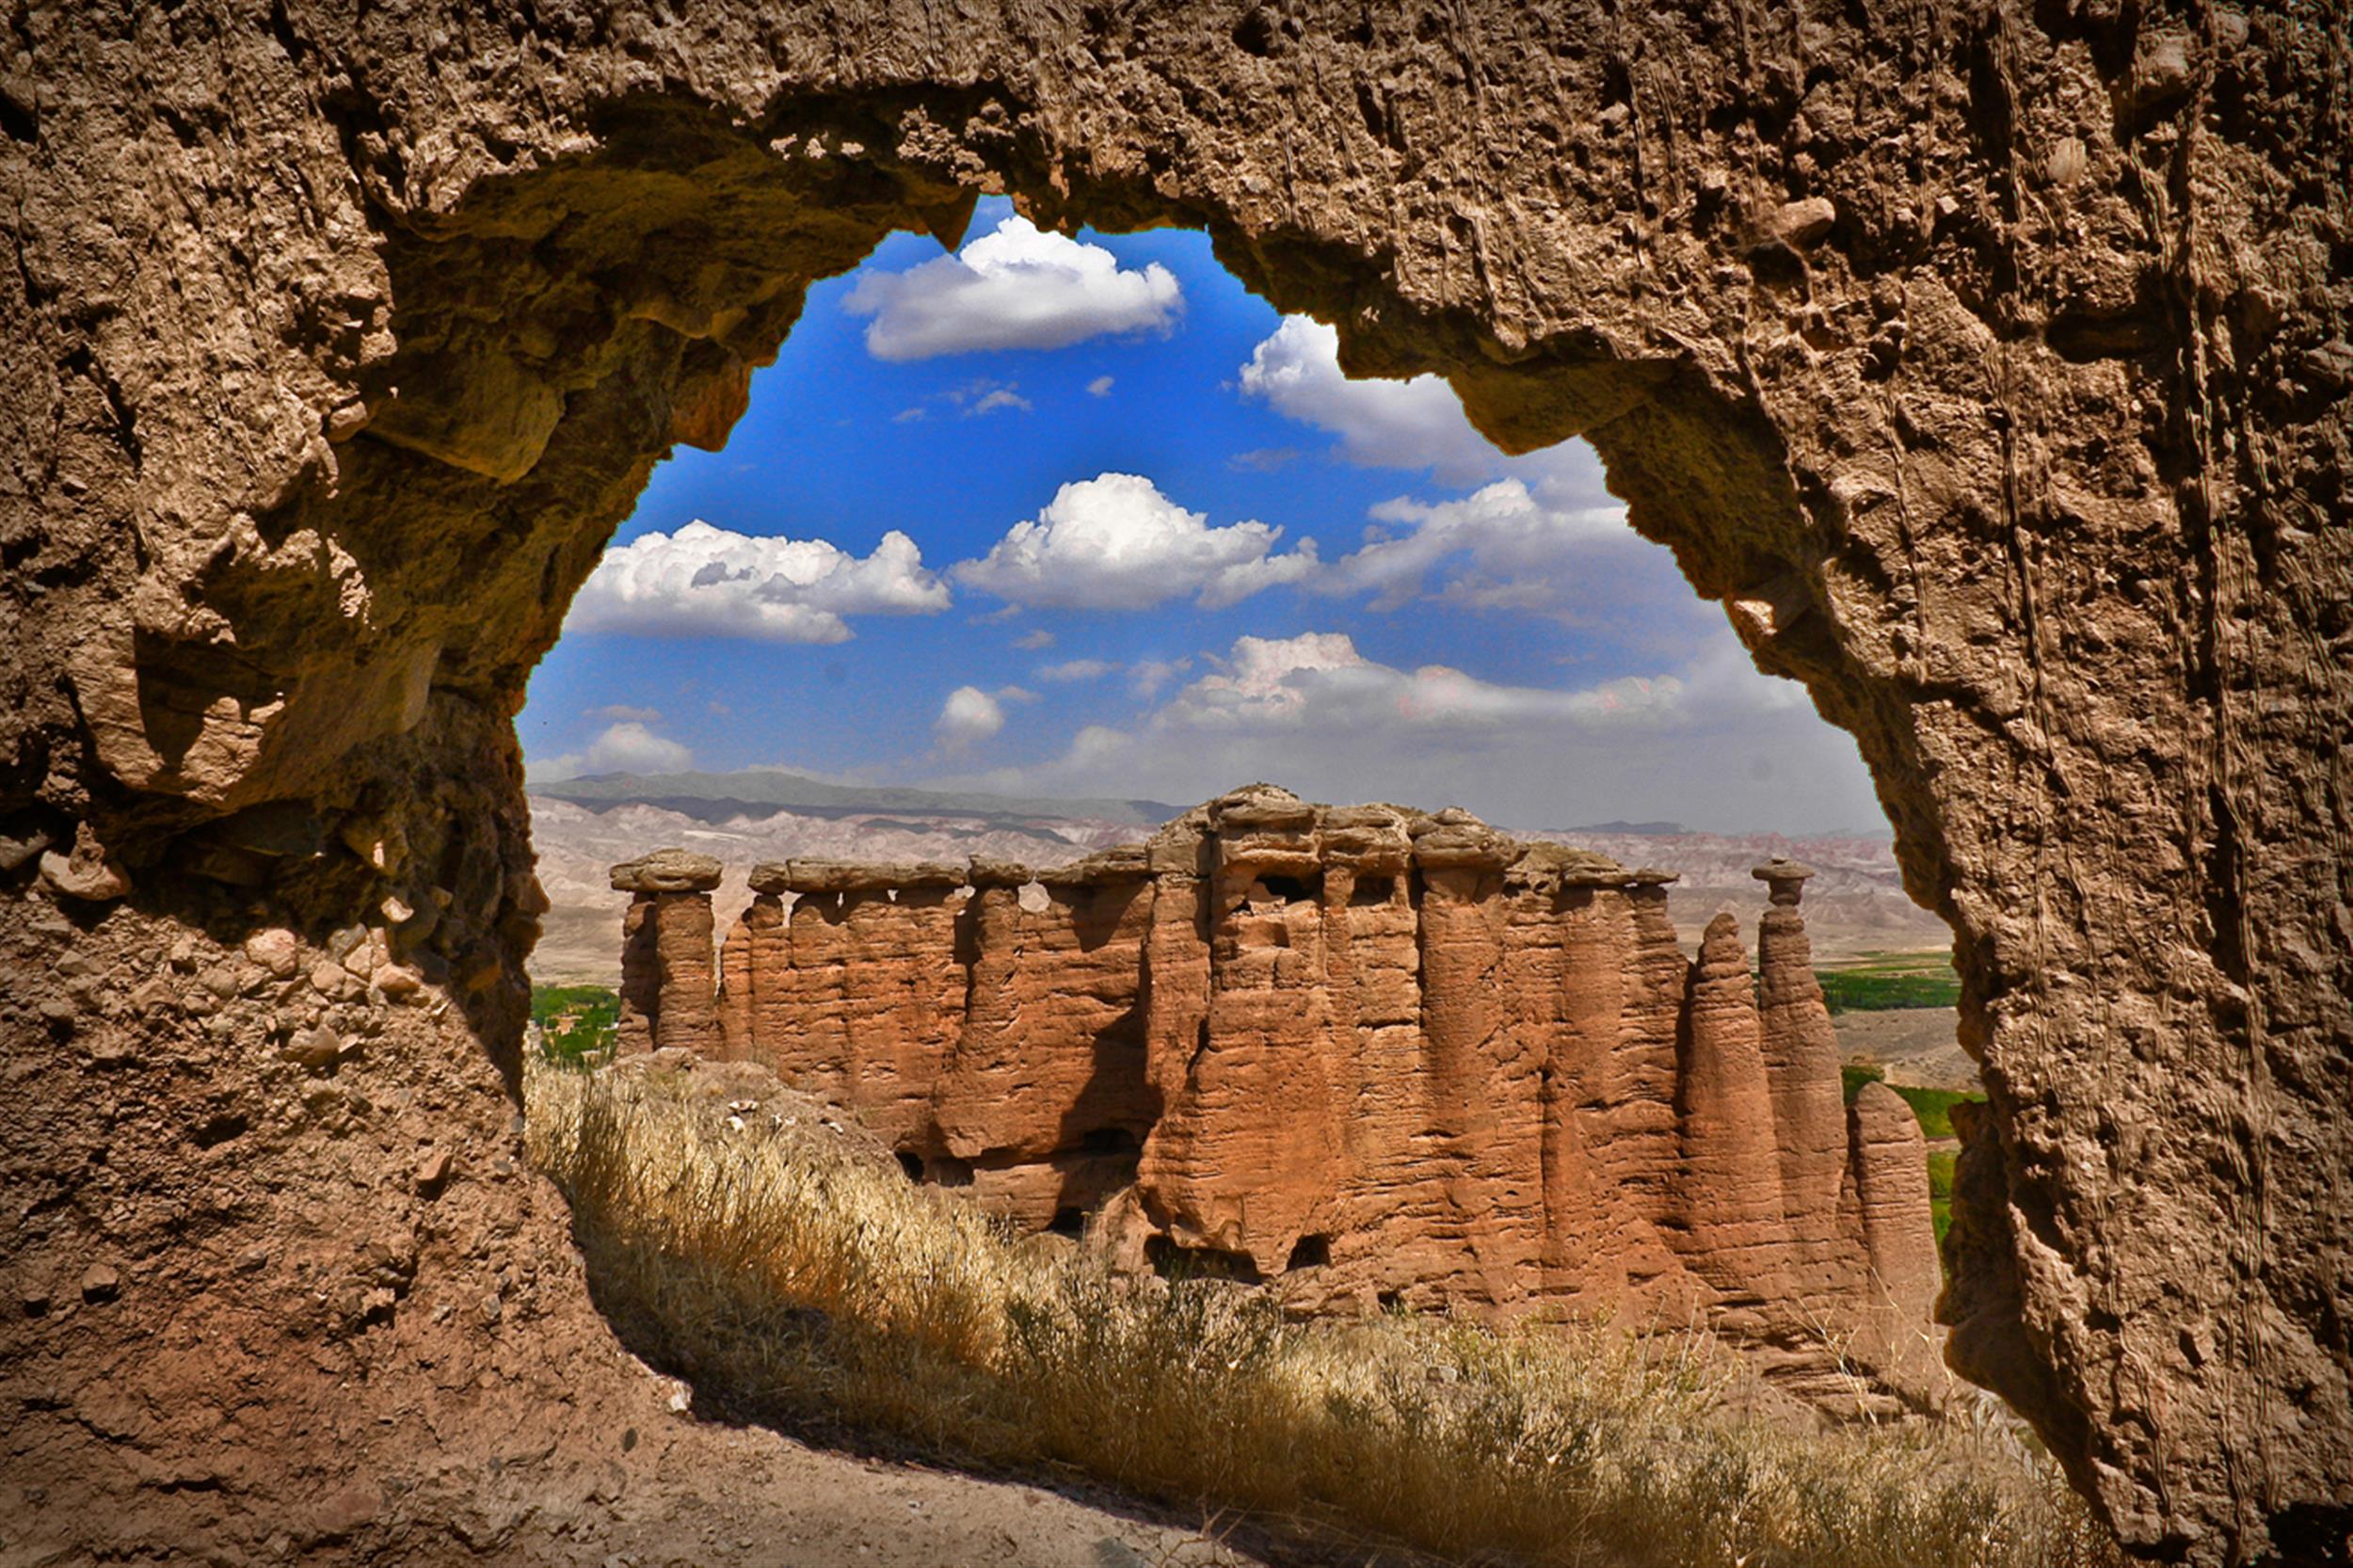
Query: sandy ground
(1918,1046)
(766,1500)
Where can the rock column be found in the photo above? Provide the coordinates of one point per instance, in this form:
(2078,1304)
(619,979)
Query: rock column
(1802,1073)
(1730,1214)
(1243,1161)
(668,996)
(1483,1144)
(1897,1242)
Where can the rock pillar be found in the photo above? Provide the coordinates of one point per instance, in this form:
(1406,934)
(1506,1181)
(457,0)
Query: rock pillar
(986,1063)
(1802,1074)
(1888,1159)
(754,963)
(1644,1139)
(1730,1213)
(1372,968)
(668,995)
(1244,1161)
(1483,1137)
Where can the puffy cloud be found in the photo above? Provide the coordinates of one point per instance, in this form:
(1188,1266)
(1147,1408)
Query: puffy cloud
(1016,287)
(1318,679)
(1145,677)
(615,712)
(627,746)
(1415,423)
(1030,641)
(967,717)
(1115,542)
(1099,387)
(1076,669)
(704,582)
(1506,549)
(1315,714)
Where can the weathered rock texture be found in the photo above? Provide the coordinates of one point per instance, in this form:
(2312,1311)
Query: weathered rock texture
(1988,362)
(1367,1055)
(666,952)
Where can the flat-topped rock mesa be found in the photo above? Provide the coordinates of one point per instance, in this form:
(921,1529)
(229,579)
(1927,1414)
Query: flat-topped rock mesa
(1365,1054)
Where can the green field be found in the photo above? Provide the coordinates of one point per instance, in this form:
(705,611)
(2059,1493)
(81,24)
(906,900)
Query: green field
(1889,981)
(575,1021)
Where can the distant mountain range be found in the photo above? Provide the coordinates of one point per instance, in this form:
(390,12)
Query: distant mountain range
(580,826)
(715,797)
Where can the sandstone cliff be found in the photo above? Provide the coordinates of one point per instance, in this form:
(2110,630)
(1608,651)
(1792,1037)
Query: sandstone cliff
(1368,1055)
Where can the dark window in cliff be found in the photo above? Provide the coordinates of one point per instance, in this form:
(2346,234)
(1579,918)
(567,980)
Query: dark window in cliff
(1173,1261)
(1372,891)
(1309,1251)
(1070,1222)
(948,1171)
(1111,1139)
(912,1164)
(1293,889)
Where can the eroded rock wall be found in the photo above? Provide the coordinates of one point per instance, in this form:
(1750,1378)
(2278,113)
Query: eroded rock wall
(1989,364)
(1368,1055)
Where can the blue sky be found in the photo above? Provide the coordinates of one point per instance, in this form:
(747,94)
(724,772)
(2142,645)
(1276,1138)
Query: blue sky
(1085,517)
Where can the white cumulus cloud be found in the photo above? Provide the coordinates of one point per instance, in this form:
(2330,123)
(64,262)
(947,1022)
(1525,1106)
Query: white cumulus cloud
(704,581)
(967,717)
(1316,714)
(627,746)
(1115,542)
(1501,547)
(1016,287)
(1415,423)
(1318,680)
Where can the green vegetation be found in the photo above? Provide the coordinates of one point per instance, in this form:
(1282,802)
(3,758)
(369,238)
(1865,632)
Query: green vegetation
(1934,1106)
(1854,1075)
(811,1288)
(576,1022)
(1891,982)
(1941,1165)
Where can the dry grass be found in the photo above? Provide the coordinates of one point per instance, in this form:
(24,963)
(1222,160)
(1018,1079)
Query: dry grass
(814,1287)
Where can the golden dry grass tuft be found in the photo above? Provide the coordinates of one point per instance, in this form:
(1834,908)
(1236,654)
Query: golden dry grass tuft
(814,1287)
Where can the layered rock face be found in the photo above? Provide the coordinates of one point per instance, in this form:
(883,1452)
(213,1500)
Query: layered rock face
(1987,363)
(1367,1055)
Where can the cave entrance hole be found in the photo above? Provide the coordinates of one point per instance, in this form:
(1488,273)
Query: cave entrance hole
(663,631)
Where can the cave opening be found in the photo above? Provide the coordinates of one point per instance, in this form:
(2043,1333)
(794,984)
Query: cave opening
(467,344)
(945,546)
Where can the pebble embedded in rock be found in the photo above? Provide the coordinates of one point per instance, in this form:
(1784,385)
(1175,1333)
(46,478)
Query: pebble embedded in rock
(313,1048)
(101,1281)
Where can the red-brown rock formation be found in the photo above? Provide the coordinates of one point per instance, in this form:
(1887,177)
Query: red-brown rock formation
(1368,1054)
(1800,1051)
(667,960)
(1987,364)
(1893,1235)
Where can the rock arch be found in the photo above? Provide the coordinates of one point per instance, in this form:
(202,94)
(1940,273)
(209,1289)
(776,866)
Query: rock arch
(1988,366)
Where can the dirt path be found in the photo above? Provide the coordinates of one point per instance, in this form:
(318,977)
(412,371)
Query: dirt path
(689,1493)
